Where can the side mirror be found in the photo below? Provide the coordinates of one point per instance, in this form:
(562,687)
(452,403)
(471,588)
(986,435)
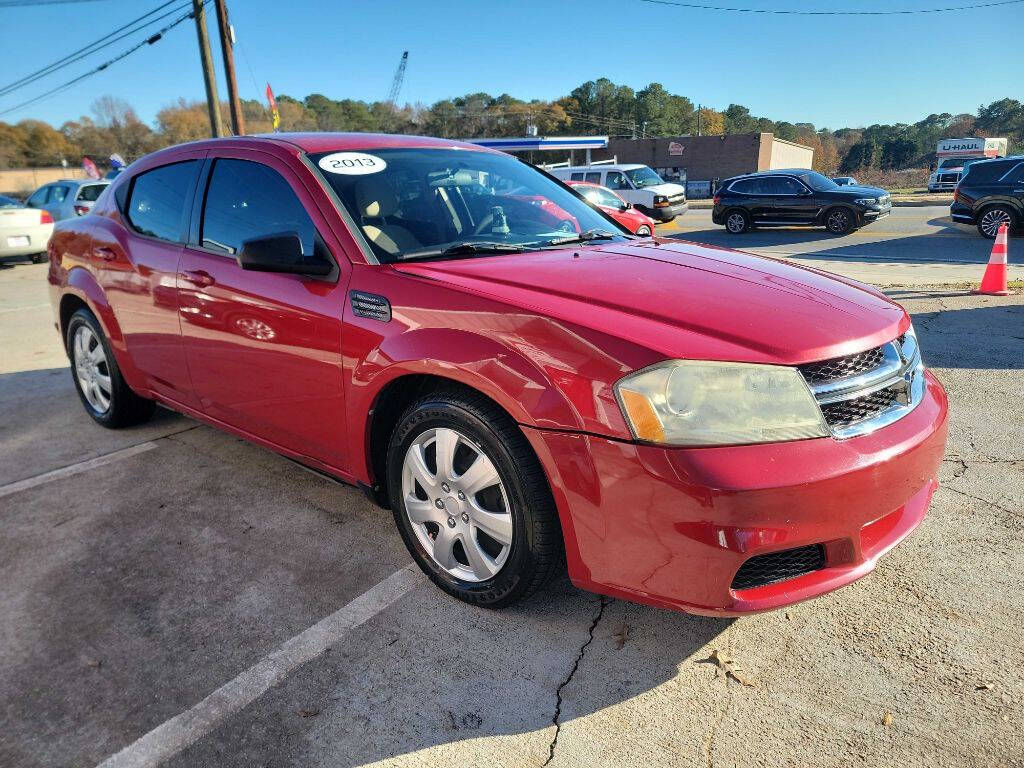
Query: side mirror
(627,205)
(281,253)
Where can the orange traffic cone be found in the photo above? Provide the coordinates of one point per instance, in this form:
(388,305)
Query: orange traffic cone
(994,281)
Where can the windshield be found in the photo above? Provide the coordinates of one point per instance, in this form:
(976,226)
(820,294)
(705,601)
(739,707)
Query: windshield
(416,203)
(959,162)
(817,182)
(644,177)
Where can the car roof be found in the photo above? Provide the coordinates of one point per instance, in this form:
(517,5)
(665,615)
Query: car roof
(338,142)
(773,172)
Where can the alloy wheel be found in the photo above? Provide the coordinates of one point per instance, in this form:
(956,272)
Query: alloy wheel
(456,502)
(736,223)
(993,219)
(92,369)
(838,221)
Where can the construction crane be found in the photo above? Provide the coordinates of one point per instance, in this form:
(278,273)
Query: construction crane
(396,84)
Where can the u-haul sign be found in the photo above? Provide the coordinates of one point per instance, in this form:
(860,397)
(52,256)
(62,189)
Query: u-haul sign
(971,147)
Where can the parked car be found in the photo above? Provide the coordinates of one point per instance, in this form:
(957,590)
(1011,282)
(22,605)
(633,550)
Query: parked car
(623,212)
(23,231)
(634,183)
(685,426)
(990,194)
(846,181)
(67,198)
(796,197)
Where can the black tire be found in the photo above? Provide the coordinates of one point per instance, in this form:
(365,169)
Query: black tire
(125,408)
(536,552)
(737,222)
(840,220)
(990,217)
(38,258)
(643,231)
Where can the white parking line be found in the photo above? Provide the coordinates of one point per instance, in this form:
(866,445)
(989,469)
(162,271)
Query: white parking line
(181,731)
(74,469)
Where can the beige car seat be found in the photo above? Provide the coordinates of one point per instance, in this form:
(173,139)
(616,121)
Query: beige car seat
(376,201)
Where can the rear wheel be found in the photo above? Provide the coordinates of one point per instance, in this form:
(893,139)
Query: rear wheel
(839,221)
(38,258)
(104,393)
(737,222)
(992,218)
(471,500)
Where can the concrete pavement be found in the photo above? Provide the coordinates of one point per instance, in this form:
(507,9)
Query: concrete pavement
(912,246)
(132,591)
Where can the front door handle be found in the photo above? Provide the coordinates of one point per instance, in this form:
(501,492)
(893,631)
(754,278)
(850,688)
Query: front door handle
(198,277)
(107,254)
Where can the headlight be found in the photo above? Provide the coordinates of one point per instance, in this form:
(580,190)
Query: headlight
(868,201)
(692,402)
(660,201)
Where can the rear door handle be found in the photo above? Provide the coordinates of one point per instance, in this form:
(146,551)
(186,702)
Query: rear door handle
(107,254)
(198,277)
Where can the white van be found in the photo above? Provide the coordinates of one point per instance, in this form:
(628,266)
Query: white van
(634,183)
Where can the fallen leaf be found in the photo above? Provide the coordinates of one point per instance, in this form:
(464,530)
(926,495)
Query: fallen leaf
(94,663)
(308,712)
(720,659)
(887,718)
(789,616)
(621,636)
(984,687)
(742,680)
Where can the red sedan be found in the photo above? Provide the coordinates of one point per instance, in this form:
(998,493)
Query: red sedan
(681,425)
(623,212)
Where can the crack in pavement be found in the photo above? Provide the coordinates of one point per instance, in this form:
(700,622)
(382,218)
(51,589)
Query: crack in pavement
(990,503)
(556,719)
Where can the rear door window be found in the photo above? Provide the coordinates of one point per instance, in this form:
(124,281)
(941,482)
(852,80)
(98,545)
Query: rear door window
(780,185)
(246,200)
(57,193)
(156,203)
(744,187)
(593,178)
(90,192)
(577,176)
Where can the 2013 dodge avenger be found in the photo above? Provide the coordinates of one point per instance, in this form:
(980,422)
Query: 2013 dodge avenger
(527,386)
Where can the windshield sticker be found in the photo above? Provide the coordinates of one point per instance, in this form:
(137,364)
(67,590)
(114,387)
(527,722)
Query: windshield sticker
(352,163)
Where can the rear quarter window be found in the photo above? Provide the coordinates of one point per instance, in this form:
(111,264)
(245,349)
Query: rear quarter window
(156,202)
(985,173)
(90,192)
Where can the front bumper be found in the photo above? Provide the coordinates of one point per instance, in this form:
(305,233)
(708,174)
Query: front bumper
(876,212)
(672,526)
(668,213)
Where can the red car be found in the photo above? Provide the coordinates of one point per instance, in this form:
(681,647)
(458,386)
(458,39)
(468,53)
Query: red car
(616,207)
(685,426)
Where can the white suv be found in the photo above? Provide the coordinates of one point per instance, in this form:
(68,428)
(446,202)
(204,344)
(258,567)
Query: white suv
(634,183)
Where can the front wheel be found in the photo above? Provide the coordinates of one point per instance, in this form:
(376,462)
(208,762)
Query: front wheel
(104,393)
(992,219)
(839,221)
(643,231)
(471,500)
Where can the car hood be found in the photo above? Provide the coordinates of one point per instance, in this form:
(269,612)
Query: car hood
(679,299)
(667,189)
(860,190)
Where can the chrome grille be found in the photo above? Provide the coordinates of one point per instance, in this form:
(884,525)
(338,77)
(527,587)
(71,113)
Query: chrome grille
(838,367)
(865,391)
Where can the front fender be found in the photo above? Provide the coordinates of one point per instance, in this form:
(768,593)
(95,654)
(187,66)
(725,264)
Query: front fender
(472,359)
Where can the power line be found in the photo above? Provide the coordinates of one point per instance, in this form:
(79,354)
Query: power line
(93,47)
(790,12)
(148,41)
(15,3)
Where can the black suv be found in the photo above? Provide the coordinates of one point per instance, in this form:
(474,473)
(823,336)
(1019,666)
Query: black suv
(989,194)
(796,197)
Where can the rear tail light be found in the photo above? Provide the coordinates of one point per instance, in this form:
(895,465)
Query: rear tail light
(45,217)
(81,210)
(956,195)
(716,199)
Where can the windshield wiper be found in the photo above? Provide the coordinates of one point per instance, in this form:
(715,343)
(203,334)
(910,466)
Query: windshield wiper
(464,249)
(583,237)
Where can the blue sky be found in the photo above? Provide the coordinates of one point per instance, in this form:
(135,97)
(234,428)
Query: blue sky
(832,71)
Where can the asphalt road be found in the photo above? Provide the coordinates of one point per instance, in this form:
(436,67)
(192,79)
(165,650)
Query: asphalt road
(912,246)
(170,593)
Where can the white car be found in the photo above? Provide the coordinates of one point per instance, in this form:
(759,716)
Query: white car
(634,183)
(23,231)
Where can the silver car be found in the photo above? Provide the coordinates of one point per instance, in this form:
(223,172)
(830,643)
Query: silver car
(67,198)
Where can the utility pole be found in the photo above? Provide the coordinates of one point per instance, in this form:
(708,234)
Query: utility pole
(227,47)
(212,102)
(698,118)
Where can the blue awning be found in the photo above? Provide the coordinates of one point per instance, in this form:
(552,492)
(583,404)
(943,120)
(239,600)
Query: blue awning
(527,143)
